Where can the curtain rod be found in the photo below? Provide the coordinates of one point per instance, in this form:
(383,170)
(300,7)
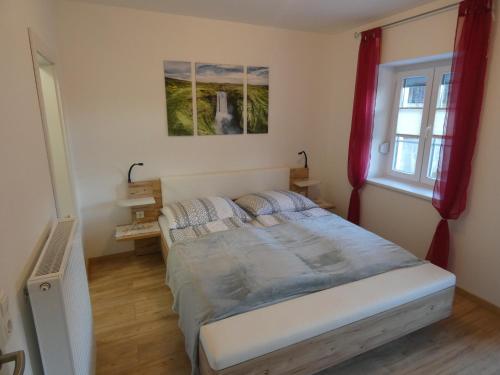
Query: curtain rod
(357,34)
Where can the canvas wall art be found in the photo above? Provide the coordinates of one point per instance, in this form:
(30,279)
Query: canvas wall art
(209,99)
(219,99)
(178,89)
(257,99)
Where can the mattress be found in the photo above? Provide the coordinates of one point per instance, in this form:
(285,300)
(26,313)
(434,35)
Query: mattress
(232,272)
(163,221)
(277,326)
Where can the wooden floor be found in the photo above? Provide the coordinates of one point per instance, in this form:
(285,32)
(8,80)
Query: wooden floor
(137,332)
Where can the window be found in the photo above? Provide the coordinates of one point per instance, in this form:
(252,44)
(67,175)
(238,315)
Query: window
(418,125)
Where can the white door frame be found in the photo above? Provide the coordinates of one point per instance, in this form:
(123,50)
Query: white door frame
(39,48)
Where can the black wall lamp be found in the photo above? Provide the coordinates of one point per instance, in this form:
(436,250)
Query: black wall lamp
(130,170)
(305,156)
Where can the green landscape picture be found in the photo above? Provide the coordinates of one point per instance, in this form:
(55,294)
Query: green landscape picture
(257,99)
(219,99)
(178,89)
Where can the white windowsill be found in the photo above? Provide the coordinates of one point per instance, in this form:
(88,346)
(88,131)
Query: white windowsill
(413,189)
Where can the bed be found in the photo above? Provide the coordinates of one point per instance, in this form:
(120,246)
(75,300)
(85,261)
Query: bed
(312,328)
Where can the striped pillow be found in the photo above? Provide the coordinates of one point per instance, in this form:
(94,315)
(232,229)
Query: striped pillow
(201,211)
(285,217)
(269,202)
(196,231)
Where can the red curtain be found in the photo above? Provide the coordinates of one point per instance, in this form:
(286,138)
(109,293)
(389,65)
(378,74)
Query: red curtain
(464,108)
(362,116)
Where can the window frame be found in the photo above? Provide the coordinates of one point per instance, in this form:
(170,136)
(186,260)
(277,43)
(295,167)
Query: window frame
(439,72)
(428,73)
(433,75)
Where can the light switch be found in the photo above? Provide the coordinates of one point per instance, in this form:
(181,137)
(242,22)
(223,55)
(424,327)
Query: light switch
(5,321)
(384,148)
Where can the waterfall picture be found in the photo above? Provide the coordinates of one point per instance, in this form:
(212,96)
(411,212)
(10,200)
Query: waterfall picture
(219,99)
(257,99)
(210,99)
(178,89)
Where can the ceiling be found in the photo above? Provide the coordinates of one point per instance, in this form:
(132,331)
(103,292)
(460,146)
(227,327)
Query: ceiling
(326,16)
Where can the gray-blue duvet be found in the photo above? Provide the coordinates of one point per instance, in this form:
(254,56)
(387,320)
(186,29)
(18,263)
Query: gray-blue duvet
(231,272)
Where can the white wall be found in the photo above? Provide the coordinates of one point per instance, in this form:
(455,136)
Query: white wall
(114,97)
(403,219)
(26,199)
(115,106)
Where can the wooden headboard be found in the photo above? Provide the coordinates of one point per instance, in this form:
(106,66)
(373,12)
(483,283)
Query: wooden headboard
(230,184)
(299,174)
(141,189)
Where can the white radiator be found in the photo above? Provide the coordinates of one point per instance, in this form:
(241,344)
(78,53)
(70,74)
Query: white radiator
(59,296)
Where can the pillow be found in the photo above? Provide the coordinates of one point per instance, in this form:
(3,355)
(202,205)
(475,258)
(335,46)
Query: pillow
(269,202)
(196,231)
(286,216)
(201,211)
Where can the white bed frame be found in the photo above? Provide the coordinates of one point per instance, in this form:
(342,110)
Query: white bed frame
(314,354)
(232,184)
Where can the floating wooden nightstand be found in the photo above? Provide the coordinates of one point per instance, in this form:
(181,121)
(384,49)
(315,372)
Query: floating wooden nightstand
(136,202)
(145,202)
(296,176)
(146,236)
(324,204)
(306,183)
(137,231)
(300,183)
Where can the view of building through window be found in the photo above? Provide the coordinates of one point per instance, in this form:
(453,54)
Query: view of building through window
(409,124)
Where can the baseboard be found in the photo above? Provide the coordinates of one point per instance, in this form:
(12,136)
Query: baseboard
(480,301)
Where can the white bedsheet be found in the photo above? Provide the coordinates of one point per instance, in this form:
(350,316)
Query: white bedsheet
(246,336)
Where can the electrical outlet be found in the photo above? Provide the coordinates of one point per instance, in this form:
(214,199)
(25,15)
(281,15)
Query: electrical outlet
(5,321)
(139,214)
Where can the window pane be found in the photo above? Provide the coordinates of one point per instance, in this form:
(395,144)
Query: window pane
(405,154)
(409,121)
(411,105)
(441,105)
(439,122)
(434,158)
(413,92)
(444,90)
